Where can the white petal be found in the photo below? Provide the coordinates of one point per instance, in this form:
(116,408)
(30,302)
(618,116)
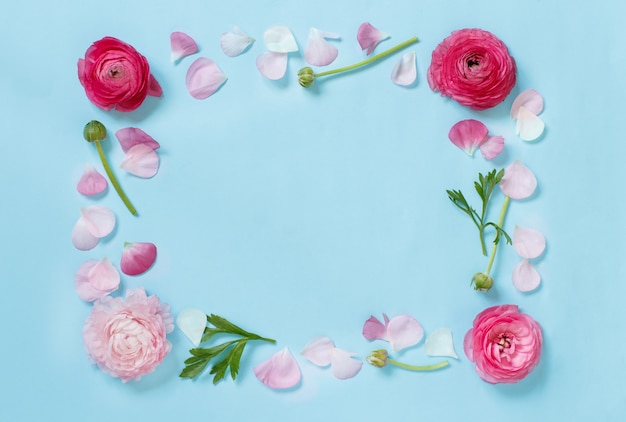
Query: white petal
(141,161)
(279,39)
(530,99)
(236,42)
(404,71)
(100,221)
(82,239)
(192,323)
(525,277)
(320,52)
(528,243)
(343,364)
(529,127)
(272,65)
(439,343)
(319,350)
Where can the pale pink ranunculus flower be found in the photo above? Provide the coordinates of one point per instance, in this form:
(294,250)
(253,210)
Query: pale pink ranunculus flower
(504,343)
(126,338)
(474,68)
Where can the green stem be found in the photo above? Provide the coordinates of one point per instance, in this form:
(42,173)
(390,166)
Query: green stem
(418,368)
(369,60)
(505,206)
(113,179)
(269,340)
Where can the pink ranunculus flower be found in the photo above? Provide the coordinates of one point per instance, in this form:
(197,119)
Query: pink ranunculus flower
(473,67)
(504,343)
(127,338)
(115,75)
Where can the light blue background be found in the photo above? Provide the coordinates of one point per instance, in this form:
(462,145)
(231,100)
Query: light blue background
(298,213)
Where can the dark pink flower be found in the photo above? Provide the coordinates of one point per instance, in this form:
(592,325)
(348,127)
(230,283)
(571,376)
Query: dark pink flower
(504,343)
(115,75)
(473,67)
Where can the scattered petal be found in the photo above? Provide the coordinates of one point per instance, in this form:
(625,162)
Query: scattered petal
(236,42)
(404,71)
(530,99)
(528,243)
(529,127)
(525,277)
(373,329)
(204,78)
(100,221)
(518,181)
(468,135)
(154,88)
(343,364)
(279,371)
(369,37)
(320,52)
(272,65)
(492,147)
(95,279)
(141,161)
(404,331)
(131,136)
(182,45)
(91,182)
(319,351)
(279,39)
(439,343)
(82,239)
(192,323)
(137,257)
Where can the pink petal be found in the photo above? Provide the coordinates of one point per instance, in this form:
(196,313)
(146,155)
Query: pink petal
(100,221)
(272,65)
(530,99)
(468,135)
(319,350)
(82,239)
(204,78)
(518,181)
(141,161)
(529,127)
(104,276)
(279,371)
(373,329)
(404,71)
(137,257)
(320,52)
(525,277)
(369,37)
(154,89)
(131,136)
(528,243)
(236,42)
(91,182)
(343,365)
(95,279)
(182,45)
(279,39)
(404,331)
(492,147)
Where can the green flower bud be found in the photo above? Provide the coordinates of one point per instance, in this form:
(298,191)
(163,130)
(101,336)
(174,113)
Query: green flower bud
(306,77)
(377,358)
(482,282)
(94,131)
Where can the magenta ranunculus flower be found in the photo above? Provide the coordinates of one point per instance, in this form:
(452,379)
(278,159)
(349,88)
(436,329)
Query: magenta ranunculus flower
(115,75)
(504,343)
(127,338)
(473,67)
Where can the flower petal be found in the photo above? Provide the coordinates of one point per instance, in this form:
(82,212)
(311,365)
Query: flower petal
(525,276)
(529,127)
(279,39)
(492,147)
(182,45)
(272,65)
(320,52)
(235,42)
(468,135)
(137,257)
(91,182)
(343,365)
(154,88)
(404,331)
(369,37)
(404,71)
(518,181)
(319,350)
(104,276)
(192,323)
(528,243)
(279,371)
(95,279)
(530,99)
(373,329)
(131,136)
(82,239)
(439,343)
(204,78)
(100,221)
(141,161)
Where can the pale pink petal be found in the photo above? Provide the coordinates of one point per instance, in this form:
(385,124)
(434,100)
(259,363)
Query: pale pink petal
(272,65)
(91,182)
(343,364)
(104,276)
(492,147)
(404,71)
(529,127)
(525,277)
(192,323)
(279,39)
(95,279)
(100,221)
(131,136)
(373,329)
(439,343)
(137,257)
(404,331)
(141,161)
(236,42)
(320,52)
(182,45)
(369,37)
(528,243)
(319,350)
(279,371)
(154,89)
(204,78)
(518,181)
(82,239)
(530,99)
(468,135)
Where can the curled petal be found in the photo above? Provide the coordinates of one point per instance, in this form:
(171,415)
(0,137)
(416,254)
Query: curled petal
(320,52)
(439,343)
(91,182)
(518,181)
(529,127)
(204,78)
(142,161)
(137,257)
(468,135)
(319,351)
(528,243)
(404,72)
(100,221)
(279,39)
(279,371)
(404,331)
(182,45)
(492,147)
(369,37)
(154,88)
(272,65)
(343,365)
(373,329)
(131,136)
(530,99)
(192,323)
(525,277)
(236,42)
(95,279)
(82,239)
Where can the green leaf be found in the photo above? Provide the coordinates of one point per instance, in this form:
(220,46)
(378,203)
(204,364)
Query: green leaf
(195,369)
(235,358)
(226,326)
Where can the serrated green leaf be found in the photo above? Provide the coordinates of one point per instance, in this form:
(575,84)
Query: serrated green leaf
(226,326)
(234,358)
(193,370)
